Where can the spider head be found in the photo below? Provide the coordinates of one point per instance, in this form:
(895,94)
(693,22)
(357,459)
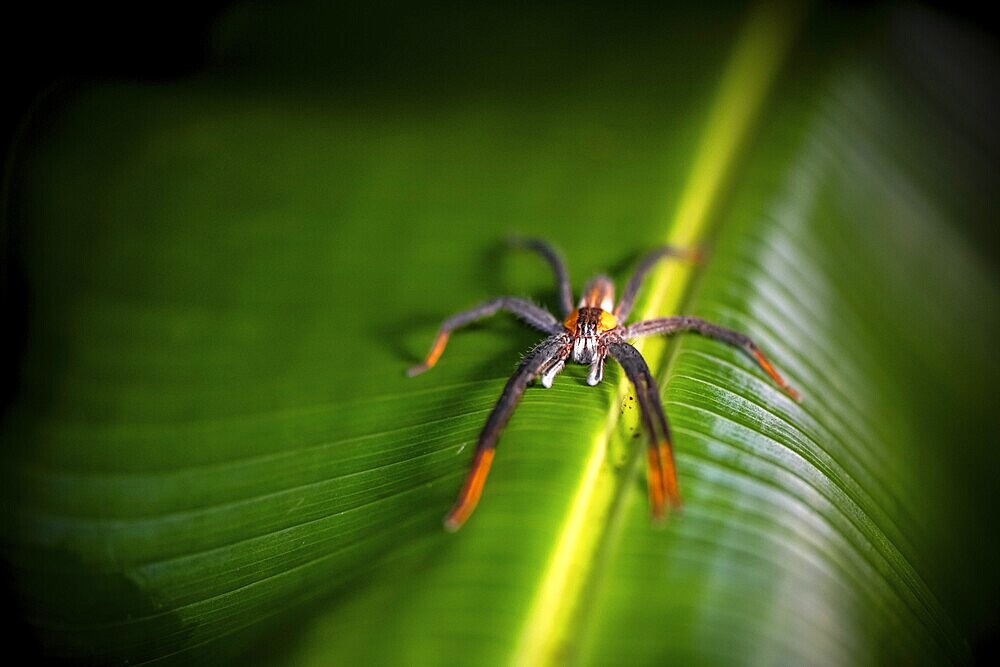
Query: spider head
(586,324)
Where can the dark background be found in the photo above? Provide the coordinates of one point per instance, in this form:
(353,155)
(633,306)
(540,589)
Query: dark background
(44,45)
(49,49)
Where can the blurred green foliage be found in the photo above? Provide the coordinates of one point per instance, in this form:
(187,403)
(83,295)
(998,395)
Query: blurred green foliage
(214,451)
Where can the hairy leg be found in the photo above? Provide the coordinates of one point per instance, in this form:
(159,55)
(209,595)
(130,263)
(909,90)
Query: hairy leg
(552,351)
(534,315)
(624,306)
(661,473)
(669,325)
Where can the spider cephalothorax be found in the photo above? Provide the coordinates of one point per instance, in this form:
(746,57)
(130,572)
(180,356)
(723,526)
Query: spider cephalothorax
(588,334)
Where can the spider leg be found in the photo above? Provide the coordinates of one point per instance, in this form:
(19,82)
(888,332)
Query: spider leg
(552,257)
(661,473)
(552,350)
(624,306)
(668,325)
(535,316)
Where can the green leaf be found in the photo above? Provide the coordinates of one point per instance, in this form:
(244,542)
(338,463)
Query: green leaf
(214,453)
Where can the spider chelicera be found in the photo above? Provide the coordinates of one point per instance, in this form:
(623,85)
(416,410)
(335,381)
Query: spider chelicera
(587,334)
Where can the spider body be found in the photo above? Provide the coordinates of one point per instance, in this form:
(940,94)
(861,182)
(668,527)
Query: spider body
(588,334)
(586,326)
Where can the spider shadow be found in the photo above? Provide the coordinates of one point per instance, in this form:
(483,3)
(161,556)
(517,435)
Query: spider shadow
(493,271)
(409,338)
(405,335)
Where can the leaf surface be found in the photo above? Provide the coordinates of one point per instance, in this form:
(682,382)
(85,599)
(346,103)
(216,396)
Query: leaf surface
(215,452)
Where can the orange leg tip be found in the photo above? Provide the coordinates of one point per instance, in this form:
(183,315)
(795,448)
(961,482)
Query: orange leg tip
(671,492)
(459,514)
(452,523)
(473,488)
(778,380)
(432,356)
(657,505)
(659,514)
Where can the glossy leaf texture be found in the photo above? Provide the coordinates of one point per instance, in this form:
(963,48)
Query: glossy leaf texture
(214,452)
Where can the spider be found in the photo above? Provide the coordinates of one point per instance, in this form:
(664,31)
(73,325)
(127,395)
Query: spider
(587,335)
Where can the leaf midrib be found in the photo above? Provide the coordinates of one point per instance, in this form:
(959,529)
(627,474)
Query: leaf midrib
(594,517)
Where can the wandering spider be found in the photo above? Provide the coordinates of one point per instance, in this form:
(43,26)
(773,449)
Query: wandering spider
(587,335)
